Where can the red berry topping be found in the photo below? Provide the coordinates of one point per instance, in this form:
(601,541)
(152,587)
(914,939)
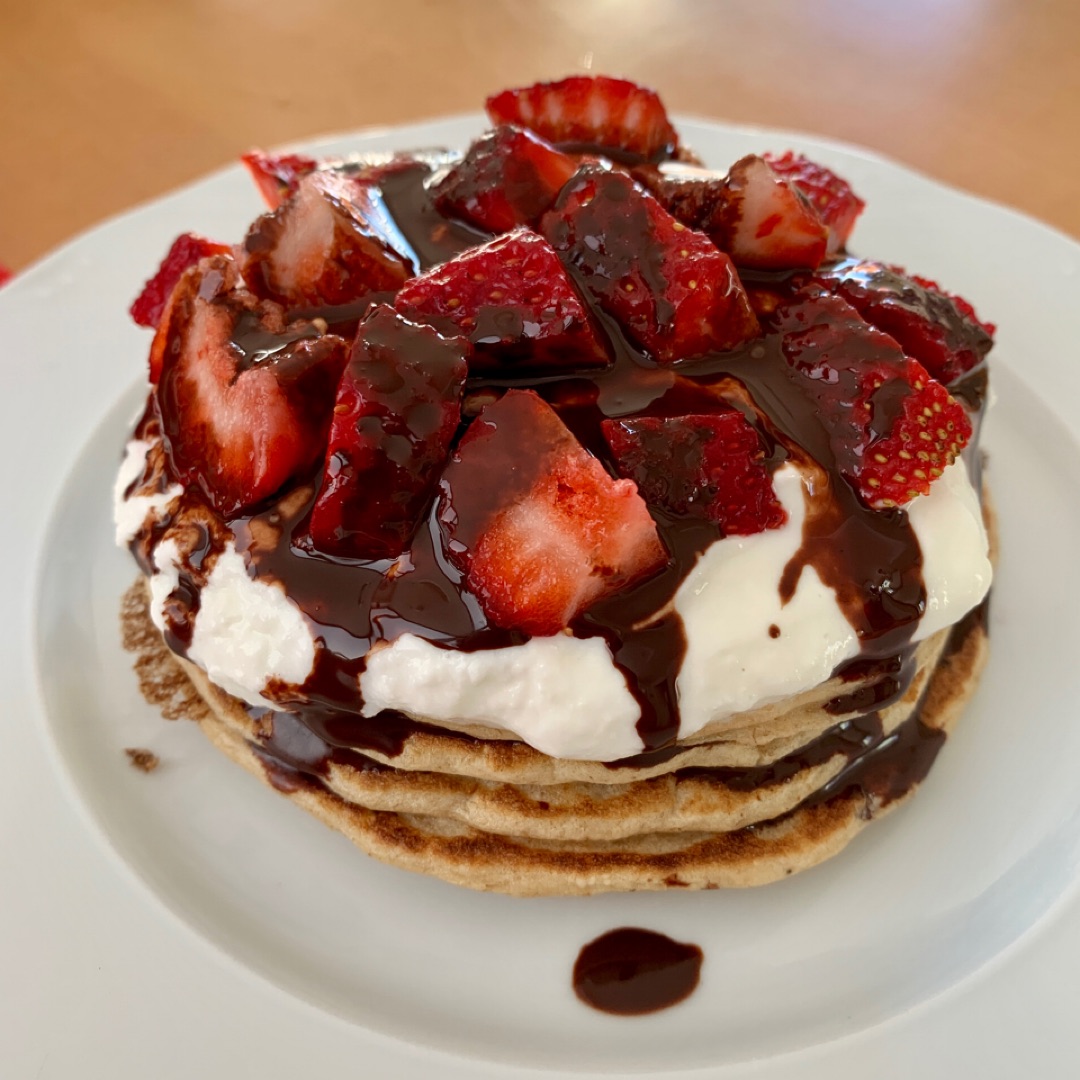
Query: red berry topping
(186,251)
(766,222)
(710,466)
(398,408)
(941,331)
(591,111)
(330,243)
(753,214)
(836,204)
(277,175)
(244,398)
(892,427)
(513,300)
(536,525)
(508,177)
(674,293)
(5,275)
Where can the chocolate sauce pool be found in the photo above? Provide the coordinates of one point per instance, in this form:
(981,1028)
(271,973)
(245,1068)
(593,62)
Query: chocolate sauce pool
(870,558)
(630,972)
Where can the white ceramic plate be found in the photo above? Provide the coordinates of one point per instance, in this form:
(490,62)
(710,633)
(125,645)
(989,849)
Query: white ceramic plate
(288,950)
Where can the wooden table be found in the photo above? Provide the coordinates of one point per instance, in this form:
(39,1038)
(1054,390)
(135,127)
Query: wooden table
(104,103)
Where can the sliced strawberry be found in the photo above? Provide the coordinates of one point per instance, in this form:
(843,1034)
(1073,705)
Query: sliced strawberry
(766,223)
(674,293)
(277,175)
(187,249)
(752,213)
(244,398)
(398,407)
(590,111)
(5,274)
(330,243)
(708,465)
(941,331)
(837,205)
(892,428)
(513,300)
(508,177)
(536,525)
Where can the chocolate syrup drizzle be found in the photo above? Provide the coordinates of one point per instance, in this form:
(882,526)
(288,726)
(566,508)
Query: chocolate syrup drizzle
(871,558)
(631,972)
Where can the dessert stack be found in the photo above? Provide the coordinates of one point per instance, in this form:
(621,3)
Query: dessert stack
(560,515)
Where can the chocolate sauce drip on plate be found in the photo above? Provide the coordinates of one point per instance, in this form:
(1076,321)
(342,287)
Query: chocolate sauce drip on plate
(631,972)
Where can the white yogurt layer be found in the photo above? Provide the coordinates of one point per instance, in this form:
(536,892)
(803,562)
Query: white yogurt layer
(130,514)
(561,694)
(246,632)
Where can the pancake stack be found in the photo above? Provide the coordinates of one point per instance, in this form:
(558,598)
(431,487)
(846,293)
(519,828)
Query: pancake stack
(448,433)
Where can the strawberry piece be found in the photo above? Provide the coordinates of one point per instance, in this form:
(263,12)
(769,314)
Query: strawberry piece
(513,300)
(753,214)
(674,293)
(244,398)
(5,274)
(941,331)
(398,408)
(891,427)
(277,175)
(508,177)
(186,250)
(836,204)
(710,466)
(535,524)
(331,243)
(591,111)
(766,223)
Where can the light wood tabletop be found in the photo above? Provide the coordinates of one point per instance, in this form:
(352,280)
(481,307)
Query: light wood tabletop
(106,103)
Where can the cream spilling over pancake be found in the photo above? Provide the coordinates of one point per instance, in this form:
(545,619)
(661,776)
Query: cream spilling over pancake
(561,515)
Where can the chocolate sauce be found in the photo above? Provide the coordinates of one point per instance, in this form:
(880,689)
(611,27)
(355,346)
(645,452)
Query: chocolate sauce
(871,558)
(631,972)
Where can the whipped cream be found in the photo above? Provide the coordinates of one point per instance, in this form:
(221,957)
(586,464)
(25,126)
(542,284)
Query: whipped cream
(247,633)
(130,513)
(561,694)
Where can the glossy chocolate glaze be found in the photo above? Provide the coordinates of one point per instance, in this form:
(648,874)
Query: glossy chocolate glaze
(631,972)
(871,558)
(880,767)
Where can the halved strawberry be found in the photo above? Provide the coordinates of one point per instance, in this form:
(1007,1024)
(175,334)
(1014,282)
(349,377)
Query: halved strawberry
(941,331)
(766,223)
(891,427)
(752,213)
(277,175)
(709,465)
(186,250)
(508,177)
(590,111)
(244,398)
(398,407)
(836,204)
(513,300)
(674,293)
(536,525)
(330,243)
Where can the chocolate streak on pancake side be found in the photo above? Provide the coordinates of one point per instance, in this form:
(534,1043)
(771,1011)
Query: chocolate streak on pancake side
(631,972)
(871,558)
